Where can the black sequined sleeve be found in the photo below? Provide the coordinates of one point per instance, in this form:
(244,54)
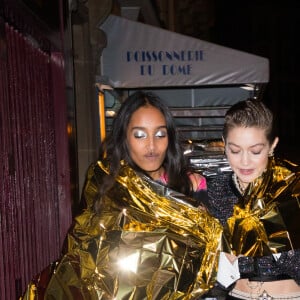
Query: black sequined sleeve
(221,197)
(289,263)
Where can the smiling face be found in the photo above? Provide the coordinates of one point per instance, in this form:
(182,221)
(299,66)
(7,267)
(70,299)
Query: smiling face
(247,150)
(147,140)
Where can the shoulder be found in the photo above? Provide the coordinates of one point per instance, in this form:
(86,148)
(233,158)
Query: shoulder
(221,186)
(221,196)
(222,180)
(198,181)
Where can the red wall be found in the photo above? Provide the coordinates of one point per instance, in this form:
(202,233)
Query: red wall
(35,202)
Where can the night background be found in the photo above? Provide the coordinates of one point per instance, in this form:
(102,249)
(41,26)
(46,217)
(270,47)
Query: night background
(49,51)
(262,27)
(269,29)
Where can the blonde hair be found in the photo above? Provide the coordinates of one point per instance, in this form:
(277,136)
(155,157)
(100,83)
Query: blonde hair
(250,113)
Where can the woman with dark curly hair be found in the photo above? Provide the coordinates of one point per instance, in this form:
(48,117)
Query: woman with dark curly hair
(142,234)
(144,135)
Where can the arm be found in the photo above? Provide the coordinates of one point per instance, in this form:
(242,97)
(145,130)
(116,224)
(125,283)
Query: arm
(289,263)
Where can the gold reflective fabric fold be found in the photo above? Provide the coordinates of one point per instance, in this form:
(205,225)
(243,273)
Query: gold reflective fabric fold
(265,220)
(147,242)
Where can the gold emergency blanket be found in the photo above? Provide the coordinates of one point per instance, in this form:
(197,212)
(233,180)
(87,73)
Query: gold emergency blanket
(146,243)
(266,220)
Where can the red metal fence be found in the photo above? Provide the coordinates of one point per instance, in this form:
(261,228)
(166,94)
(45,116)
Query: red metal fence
(35,205)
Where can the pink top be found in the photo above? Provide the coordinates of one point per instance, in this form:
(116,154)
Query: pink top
(201,181)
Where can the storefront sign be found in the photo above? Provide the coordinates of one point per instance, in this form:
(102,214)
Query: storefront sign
(140,55)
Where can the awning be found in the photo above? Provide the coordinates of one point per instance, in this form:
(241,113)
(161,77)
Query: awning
(140,55)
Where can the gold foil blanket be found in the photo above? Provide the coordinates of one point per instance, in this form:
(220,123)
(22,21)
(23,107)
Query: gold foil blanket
(147,242)
(266,219)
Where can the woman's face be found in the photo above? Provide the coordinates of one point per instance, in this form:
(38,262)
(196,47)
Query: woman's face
(147,140)
(247,150)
